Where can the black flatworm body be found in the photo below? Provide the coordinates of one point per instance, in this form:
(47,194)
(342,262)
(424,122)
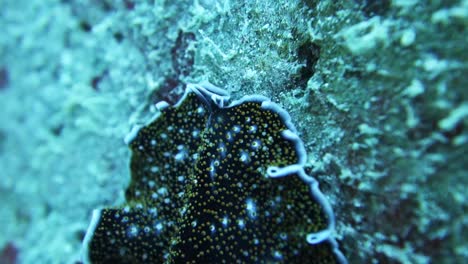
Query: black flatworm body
(216,183)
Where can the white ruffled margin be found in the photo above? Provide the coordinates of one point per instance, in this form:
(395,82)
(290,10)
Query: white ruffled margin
(89,235)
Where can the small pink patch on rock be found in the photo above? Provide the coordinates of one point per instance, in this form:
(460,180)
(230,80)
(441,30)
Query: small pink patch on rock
(9,254)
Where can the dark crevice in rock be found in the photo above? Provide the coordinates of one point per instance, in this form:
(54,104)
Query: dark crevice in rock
(96,80)
(183,55)
(85,26)
(372,8)
(118,36)
(183,58)
(308,55)
(4,79)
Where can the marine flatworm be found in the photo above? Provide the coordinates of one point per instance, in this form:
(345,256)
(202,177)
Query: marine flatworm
(213,182)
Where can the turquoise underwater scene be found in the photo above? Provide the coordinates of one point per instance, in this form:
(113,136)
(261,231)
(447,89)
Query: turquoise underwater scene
(228,131)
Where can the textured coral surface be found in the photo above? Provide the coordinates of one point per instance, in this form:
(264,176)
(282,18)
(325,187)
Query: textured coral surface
(376,89)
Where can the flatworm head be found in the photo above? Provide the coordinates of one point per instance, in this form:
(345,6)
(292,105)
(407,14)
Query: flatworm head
(216,183)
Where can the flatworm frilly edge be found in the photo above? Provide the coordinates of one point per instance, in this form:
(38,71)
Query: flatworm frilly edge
(216,181)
